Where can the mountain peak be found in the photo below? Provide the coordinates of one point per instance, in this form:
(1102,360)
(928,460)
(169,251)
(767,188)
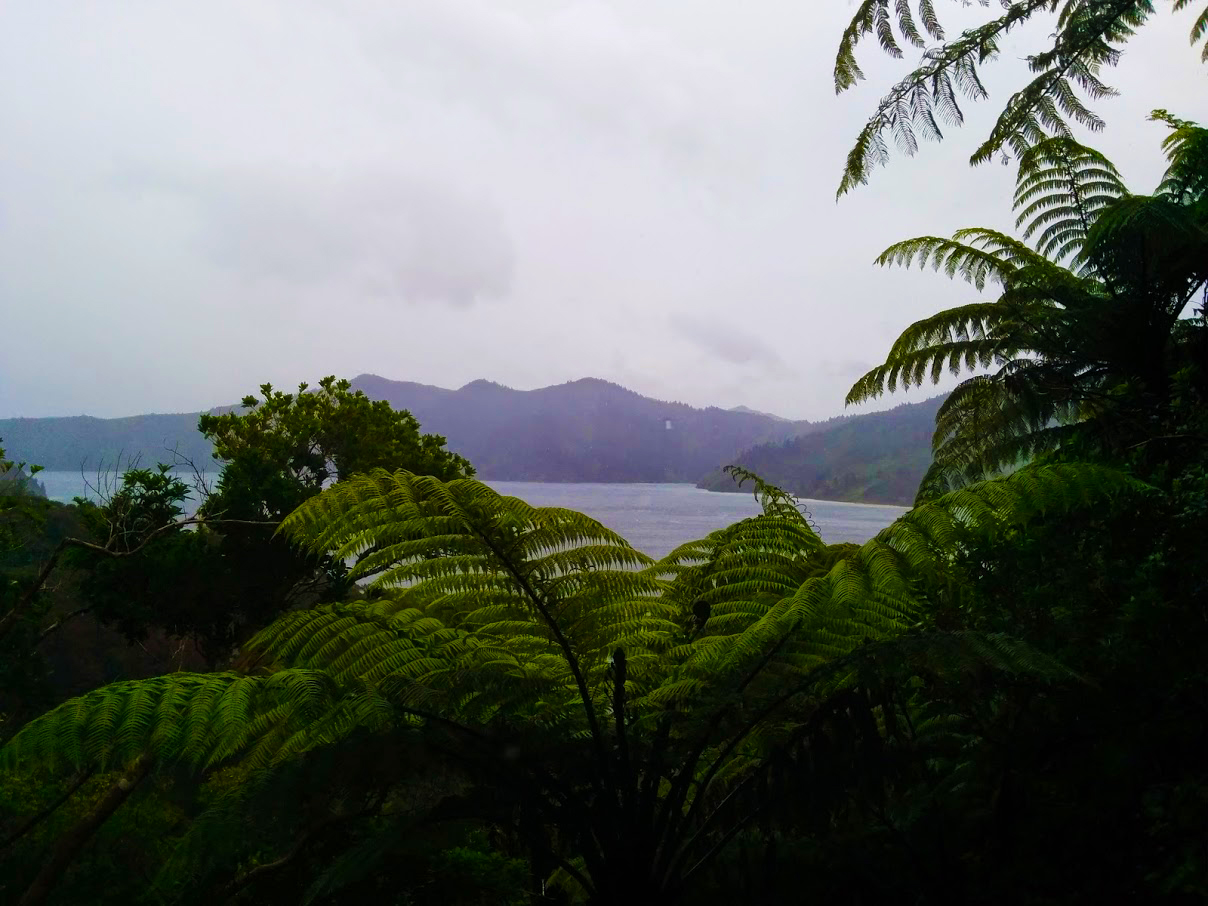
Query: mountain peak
(747,410)
(591,382)
(482,384)
(594,383)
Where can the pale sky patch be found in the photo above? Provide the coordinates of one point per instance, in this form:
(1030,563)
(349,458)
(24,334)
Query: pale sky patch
(198,198)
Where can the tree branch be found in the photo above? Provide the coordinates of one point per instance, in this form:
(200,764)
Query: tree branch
(61,621)
(252,874)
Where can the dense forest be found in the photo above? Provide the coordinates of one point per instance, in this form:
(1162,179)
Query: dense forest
(364,676)
(873,458)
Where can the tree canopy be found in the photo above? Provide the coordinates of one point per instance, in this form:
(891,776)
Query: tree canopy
(285,447)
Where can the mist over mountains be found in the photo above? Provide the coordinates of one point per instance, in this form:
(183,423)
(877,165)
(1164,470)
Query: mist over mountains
(589,430)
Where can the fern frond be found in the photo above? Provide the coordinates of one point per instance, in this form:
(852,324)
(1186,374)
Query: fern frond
(394,523)
(709,666)
(1065,341)
(1154,251)
(972,263)
(1199,29)
(990,507)
(199,720)
(944,75)
(1061,188)
(458,547)
(914,368)
(847,70)
(1066,77)
(1186,148)
(863,593)
(1087,40)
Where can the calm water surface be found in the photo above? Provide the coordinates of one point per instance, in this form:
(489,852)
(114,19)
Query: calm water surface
(66,486)
(655,518)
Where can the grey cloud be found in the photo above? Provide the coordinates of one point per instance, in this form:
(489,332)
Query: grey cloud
(175,183)
(388,236)
(728,342)
(581,67)
(846,368)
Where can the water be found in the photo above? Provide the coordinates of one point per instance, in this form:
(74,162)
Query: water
(66,486)
(654,518)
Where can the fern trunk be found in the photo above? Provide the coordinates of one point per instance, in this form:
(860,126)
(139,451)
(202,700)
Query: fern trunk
(627,877)
(68,846)
(633,890)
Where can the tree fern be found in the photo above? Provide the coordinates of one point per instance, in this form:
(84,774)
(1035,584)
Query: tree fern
(636,710)
(1061,352)
(1062,187)
(199,720)
(1066,77)
(1199,30)
(1186,150)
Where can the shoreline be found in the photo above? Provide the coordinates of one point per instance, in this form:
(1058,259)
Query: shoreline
(896,506)
(602,484)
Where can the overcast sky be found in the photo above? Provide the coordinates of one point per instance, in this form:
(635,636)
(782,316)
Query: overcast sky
(199,197)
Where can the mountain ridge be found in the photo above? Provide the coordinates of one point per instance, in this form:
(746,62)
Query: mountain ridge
(586,430)
(876,457)
(580,430)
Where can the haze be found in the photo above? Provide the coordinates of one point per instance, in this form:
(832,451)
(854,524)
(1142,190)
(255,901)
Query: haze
(197,198)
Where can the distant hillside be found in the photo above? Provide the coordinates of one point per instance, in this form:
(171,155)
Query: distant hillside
(879,457)
(585,430)
(751,411)
(89,443)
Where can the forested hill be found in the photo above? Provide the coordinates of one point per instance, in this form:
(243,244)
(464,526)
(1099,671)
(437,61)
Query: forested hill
(878,457)
(84,442)
(585,430)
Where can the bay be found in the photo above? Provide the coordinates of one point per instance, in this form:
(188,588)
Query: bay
(654,518)
(657,518)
